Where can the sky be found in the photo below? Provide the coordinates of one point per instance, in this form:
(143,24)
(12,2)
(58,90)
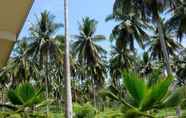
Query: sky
(97,9)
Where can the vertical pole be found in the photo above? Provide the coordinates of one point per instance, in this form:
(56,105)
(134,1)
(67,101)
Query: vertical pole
(68,97)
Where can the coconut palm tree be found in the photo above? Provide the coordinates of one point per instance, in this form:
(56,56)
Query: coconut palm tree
(154,8)
(43,45)
(89,53)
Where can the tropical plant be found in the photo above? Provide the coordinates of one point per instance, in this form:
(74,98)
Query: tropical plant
(43,45)
(25,98)
(24,101)
(87,51)
(154,8)
(144,97)
(84,111)
(89,54)
(25,95)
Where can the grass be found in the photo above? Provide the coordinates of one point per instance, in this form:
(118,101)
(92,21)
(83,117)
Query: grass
(170,112)
(56,112)
(36,115)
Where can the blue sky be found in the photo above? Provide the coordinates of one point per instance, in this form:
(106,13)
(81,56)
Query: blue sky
(97,9)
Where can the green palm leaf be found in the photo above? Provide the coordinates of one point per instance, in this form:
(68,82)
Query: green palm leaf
(25,95)
(25,91)
(156,93)
(14,98)
(135,86)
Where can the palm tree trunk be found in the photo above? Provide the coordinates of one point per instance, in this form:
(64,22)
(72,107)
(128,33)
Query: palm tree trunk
(166,57)
(68,99)
(46,82)
(94,92)
(163,46)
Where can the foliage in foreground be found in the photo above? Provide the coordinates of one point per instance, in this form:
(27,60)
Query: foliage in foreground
(144,97)
(24,99)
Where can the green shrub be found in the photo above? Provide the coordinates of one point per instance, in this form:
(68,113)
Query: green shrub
(110,113)
(24,94)
(142,97)
(84,110)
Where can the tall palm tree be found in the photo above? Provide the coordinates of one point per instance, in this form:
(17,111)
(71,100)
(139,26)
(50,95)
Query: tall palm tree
(68,106)
(56,70)
(153,8)
(89,53)
(43,46)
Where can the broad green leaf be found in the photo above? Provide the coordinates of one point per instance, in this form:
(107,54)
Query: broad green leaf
(14,98)
(155,94)
(135,86)
(26,91)
(25,95)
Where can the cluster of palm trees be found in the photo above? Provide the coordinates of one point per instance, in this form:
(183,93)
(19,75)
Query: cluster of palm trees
(44,56)
(145,23)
